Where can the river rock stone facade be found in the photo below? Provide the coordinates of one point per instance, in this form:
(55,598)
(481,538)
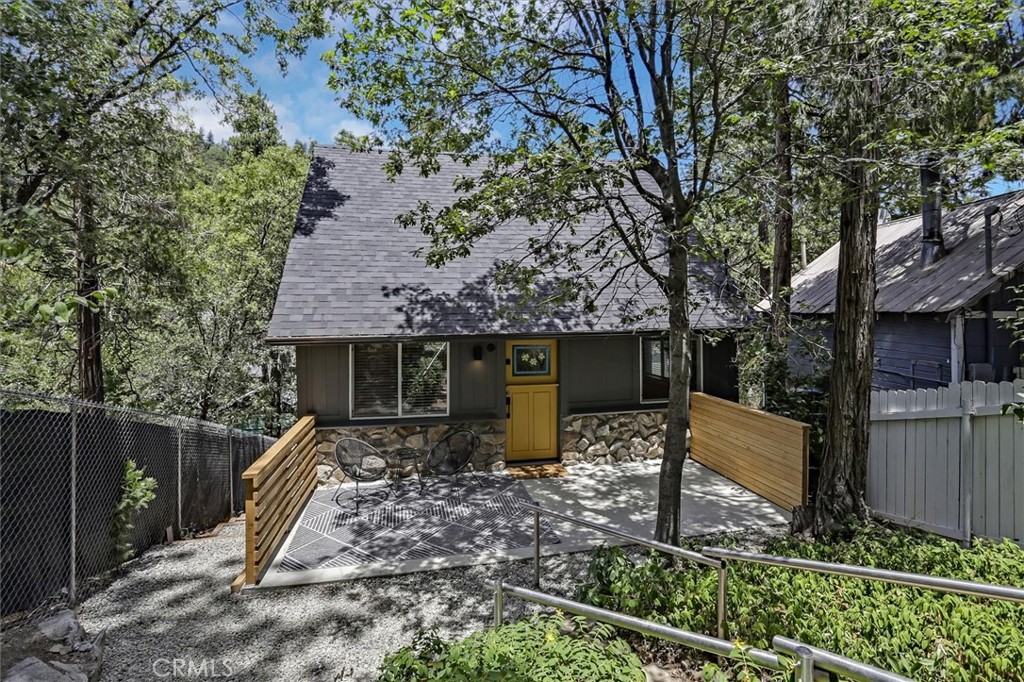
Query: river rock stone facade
(388,439)
(613,437)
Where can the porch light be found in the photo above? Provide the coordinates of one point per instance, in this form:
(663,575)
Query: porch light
(478,352)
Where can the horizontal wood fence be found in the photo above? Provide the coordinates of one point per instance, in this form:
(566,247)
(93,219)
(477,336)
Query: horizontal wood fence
(759,450)
(948,460)
(277,486)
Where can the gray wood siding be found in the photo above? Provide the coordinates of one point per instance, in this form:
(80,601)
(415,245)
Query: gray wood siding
(599,373)
(321,378)
(911,351)
(721,375)
(477,386)
(596,374)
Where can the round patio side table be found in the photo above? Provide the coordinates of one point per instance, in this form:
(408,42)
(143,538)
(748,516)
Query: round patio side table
(406,456)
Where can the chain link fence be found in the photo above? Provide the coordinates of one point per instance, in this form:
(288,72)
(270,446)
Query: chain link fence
(62,473)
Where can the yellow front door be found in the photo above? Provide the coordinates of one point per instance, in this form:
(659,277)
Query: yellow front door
(532,422)
(531,386)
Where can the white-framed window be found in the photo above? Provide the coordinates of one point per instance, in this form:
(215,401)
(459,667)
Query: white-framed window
(654,369)
(408,379)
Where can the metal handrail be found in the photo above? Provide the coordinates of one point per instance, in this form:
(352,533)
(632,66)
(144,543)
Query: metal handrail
(834,663)
(695,640)
(696,557)
(812,663)
(974,589)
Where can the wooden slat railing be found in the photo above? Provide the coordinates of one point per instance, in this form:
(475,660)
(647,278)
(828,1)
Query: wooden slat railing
(759,450)
(277,486)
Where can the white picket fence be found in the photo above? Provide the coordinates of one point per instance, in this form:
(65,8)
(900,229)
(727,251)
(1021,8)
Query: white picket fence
(948,461)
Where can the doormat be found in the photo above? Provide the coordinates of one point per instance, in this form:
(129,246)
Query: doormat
(537,471)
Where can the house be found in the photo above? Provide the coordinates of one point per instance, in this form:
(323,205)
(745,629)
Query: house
(945,287)
(397,352)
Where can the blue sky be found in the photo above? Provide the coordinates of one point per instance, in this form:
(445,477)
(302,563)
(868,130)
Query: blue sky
(306,108)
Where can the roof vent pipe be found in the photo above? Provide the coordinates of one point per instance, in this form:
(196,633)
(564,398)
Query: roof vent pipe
(932,247)
(990,211)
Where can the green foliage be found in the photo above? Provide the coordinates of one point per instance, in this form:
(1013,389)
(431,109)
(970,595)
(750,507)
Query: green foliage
(207,357)
(137,491)
(922,634)
(100,204)
(255,125)
(545,648)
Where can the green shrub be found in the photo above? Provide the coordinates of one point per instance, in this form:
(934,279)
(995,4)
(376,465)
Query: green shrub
(137,491)
(545,648)
(919,633)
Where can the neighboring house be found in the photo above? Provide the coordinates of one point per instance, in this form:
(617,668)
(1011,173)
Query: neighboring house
(391,349)
(940,308)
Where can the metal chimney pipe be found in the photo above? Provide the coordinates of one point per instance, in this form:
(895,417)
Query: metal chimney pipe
(990,212)
(932,246)
(990,323)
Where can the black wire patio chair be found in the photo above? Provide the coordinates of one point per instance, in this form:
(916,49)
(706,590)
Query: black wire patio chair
(453,454)
(362,463)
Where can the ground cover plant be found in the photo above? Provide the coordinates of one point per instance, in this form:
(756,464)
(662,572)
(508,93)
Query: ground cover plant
(548,648)
(922,634)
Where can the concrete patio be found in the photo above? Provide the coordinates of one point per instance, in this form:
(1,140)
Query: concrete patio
(623,496)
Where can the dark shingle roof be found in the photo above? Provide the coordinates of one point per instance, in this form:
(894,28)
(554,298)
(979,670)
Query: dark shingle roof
(958,280)
(352,272)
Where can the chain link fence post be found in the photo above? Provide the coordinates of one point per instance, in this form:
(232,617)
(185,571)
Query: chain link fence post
(178,424)
(72,574)
(231,475)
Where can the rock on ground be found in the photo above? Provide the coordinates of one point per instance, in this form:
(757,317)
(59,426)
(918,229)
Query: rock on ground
(55,650)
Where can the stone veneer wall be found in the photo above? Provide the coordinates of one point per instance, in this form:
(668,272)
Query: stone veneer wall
(613,437)
(387,439)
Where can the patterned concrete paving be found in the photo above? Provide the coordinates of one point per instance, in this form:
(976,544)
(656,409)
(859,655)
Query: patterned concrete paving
(467,524)
(477,515)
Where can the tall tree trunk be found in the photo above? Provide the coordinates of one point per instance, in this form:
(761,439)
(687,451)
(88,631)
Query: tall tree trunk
(782,259)
(764,271)
(777,370)
(678,421)
(843,476)
(89,341)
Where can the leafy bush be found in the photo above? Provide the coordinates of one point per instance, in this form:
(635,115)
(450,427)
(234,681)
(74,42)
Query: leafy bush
(137,491)
(548,648)
(919,633)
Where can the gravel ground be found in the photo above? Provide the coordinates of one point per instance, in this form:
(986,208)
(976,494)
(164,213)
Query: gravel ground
(172,606)
(173,603)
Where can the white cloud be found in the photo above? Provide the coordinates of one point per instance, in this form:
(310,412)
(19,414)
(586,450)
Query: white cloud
(354,126)
(206,115)
(291,128)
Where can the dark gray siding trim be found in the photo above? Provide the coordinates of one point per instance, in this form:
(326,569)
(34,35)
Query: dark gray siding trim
(599,374)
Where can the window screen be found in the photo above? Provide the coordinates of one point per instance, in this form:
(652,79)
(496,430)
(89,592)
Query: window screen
(399,379)
(375,380)
(424,378)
